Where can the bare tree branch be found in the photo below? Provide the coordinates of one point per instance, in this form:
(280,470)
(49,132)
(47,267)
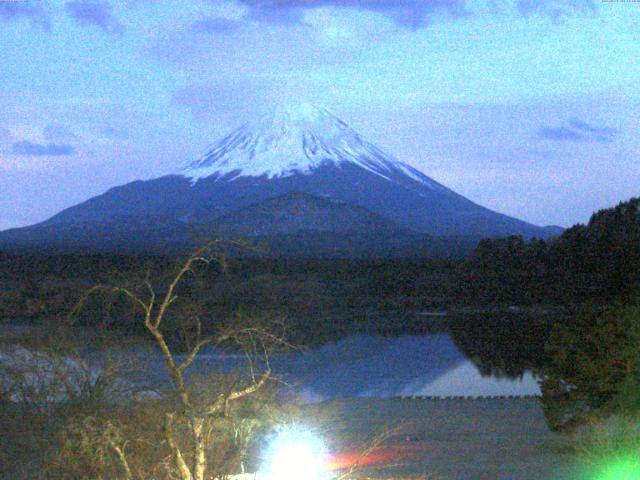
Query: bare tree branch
(113,435)
(199,413)
(194,353)
(183,468)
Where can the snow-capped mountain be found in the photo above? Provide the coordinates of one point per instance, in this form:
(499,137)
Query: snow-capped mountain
(255,180)
(296,140)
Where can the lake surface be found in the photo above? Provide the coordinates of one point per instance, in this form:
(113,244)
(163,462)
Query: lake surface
(371,366)
(383,367)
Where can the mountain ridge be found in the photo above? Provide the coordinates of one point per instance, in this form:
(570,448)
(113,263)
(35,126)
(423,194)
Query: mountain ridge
(305,151)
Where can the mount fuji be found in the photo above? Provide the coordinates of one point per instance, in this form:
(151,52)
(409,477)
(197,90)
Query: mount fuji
(297,177)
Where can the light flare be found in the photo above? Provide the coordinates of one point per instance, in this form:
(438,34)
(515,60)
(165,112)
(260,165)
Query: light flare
(296,454)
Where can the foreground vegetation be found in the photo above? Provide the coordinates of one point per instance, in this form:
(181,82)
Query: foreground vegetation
(96,421)
(566,308)
(611,444)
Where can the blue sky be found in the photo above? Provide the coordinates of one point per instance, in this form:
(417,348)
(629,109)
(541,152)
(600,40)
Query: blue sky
(527,107)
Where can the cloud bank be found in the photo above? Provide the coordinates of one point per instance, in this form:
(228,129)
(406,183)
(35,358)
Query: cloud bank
(95,13)
(14,11)
(578,131)
(556,9)
(213,25)
(410,13)
(28,148)
(407,13)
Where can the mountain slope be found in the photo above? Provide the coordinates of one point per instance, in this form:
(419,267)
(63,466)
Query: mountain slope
(295,225)
(405,201)
(302,225)
(297,150)
(295,212)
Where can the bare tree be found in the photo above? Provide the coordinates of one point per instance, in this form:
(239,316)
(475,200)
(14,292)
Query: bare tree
(190,428)
(202,416)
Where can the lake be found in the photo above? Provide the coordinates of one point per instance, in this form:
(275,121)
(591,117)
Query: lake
(383,367)
(462,362)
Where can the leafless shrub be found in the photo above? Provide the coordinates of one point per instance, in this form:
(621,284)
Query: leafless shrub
(206,424)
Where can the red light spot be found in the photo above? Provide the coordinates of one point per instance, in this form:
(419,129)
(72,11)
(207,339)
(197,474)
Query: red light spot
(386,455)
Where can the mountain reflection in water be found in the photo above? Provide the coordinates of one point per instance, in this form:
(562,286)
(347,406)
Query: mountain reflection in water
(477,360)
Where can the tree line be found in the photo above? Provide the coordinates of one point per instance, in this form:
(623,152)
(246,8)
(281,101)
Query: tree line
(592,271)
(597,262)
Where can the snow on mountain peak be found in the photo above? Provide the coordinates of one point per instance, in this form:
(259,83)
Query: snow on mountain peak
(294,139)
(301,114)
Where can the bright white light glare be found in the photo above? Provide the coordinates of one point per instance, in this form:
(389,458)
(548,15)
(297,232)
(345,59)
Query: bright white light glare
(295,454)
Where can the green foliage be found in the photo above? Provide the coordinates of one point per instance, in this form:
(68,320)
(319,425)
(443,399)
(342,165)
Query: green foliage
(611,447)
(594,367)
